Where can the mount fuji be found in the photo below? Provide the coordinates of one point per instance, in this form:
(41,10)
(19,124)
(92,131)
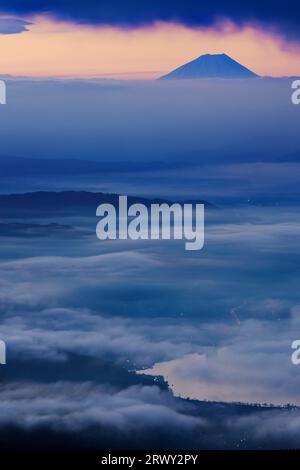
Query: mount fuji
(210,66)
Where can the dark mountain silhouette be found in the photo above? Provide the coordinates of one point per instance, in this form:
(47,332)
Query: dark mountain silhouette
(73,200)
(210,66)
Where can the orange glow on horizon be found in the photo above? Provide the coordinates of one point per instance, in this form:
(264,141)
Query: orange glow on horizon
(52,48)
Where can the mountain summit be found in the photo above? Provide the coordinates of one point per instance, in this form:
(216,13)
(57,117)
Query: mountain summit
(210,66)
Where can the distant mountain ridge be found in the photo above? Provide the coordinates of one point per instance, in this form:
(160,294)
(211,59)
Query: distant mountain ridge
(210,66)
(64,200)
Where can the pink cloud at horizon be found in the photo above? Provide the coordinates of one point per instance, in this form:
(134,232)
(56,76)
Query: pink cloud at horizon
(52,48)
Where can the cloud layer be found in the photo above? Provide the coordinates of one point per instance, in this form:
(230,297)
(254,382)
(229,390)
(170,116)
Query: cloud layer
(79,316)
(194,13)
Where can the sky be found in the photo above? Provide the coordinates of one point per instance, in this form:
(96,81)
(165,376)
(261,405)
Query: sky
(42,42)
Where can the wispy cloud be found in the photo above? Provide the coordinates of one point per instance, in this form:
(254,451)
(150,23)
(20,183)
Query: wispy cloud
(13,25)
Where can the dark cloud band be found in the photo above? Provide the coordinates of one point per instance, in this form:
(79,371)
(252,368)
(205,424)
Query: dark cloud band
(275,15)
